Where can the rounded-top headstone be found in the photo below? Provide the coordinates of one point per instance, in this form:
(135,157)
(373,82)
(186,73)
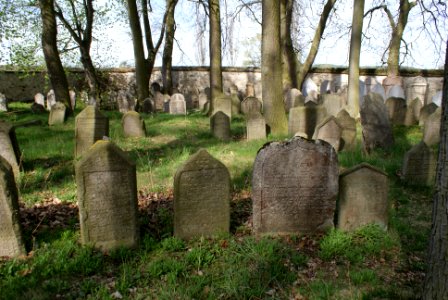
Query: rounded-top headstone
(425,112)
(251,104)
(57,114)
(90,126)
(133,125)
(396,91)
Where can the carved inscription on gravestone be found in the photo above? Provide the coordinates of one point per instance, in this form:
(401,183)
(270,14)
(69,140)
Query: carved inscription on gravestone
(90,126)
(294,187)
(201,197)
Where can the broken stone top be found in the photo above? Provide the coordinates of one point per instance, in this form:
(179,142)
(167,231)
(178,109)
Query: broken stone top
(362,166)
(99,154)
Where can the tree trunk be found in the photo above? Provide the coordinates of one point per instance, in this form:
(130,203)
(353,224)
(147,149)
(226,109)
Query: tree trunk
(355,50)
(289,58)
(215,51)
(49,44)
(271,68)
(92,78)
(167,59)
(437,274)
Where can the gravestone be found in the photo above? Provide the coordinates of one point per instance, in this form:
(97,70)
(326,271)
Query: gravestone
(293,98)
(39,99)
(201,197)
(155,87)
(203,98)
(250,105)
(333,103)
(425,112)
(158,101)
(255,127)
(396,91)
(57,114)
(310,90)
(37,108)
(107,197)
(379,89)
(3,103)
(431,130)
(166,103)
(391,81)
(250,90)
(51,99)
(376,129)
(363,200)
(437,99)
(147,106)
(9,147)
(348,135)
(220,126)
(223,103)
(72,95)
(417,89)
(90,126)
(419,165)
(11,241)
(329,130)
(340,83)
(178,105)
(133,125)
(370,82)
(416,106)
(294,187)
(306,118)
(122,102)
(396,108)
(236,105)
(409,118)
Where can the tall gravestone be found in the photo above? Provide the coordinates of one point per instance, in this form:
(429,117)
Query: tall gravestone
(376,129)
(306,118)
(220,126)
(419,165)
(107,197)
(57,114)
(201,197)
(90,126)
(329,130)
(3,103)
(348,135)
(396,108)
(255,127)
(431,130)
(178,105)
(425,112)
(223,103)
(11,241)
(363,200)
(51,99)
(203,98)
(133,125)
(9,147)
(251,104)
(294,187)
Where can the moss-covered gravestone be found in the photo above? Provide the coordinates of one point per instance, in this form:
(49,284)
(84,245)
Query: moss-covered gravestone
(90,126)
(11,242)
(133,125)
(9,147)
(107,197)
(201,197)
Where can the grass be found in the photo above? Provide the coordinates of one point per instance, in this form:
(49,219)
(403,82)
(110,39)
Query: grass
(365,264)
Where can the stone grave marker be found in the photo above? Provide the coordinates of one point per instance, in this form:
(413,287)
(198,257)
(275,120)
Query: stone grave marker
(57,114)
(72,95)
(51,99)
(370,82)
(419,165)
(133,125)
(11,240)
(376,129)
(415,106)
(250,105)
(329,130)
(391,81)
(147,106)
(122,102)
(431,130)
(379,89)
(178,105)
(203,98)
(37,108)
(437,99)
(348,135)
(3,103)
(107,197)
(396,108)
(166,103)
(250,90)
(325,87)
(255,126)
(305,118)
(294,187)
(396,91)
(220,126)
(310,90)
(9,147)
(90,126)
(363,199)
(158,101)
(236,104)
(223,103)
(333,103)
(417,89)
(201,197)
(293,98)
(425,112)
(39,99)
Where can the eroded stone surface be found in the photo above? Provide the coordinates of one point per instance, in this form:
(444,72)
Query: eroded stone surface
(177,105)
(419,165)
(330,131)
(220,126)
(305,118)
(90,126)
(250,105)
(431,130)
(133,124)
(348,134)
(57,114)
(9,147)
(255,127)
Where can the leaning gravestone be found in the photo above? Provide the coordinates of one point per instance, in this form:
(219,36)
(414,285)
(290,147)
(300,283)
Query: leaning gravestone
(255,127)
(250,105)
(133,125)
(419,165)
(376,129)
(51,99)
(57,114)
(107,197)
(396,108)
(177,105)
(294,187)
(425,112)
(9,147)
(293,98)
(362,197)
(220,126)
(306,118)
(11,241)
(39,99)
(329,130)
(201,197)
(431,131)
(90,126)
(348,135)
(3,103)
(333,103)
(223,103)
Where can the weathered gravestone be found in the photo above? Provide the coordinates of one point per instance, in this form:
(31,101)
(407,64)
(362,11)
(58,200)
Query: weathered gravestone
(333,103)
(362,197)
(250,105)
(158,101)
(90,126)
(39,99)
(147,106)
(396,108)
(51,99)
(431,130)
(306,118)
(133,125)
(223,103)
(391,81)
(3,103)
(255,127)
(425,112)
(72,95)
(201,197)
(11,241)
(437,99)
(250,90)
(203,98)
(419,165)
(294,187)
(417,89)
(122,101)
(57,114)
(310,90)
(413,112)
(379,89)
(9,147)
(235,100)
(178,105)
(376,129)
(329,130)
(396,91)
(293,98)
(107,197)
(348,135)
(220,126)
(166,103)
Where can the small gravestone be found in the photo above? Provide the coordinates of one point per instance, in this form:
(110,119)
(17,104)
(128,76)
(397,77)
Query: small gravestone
(133,125)
(376,129)
(51,99)
(90,126)
(431,130)
(305,118)
(363,200)
(201,197)
(158,101)
(220,126)
(419,165)
(348,135)
(396,91)
(396,108)
(250,90)
(223,103)
(294,187)
(72,95)
(3,103)
(37,108)
(333,103)
(57,114)
(417,89)
(107,197)
(147,106)
(425,112)
(329,130)
(250,105)
(39,99)
(166,103)
(11,241)
(9,147)
(293,98)
(177,105)
(255,127)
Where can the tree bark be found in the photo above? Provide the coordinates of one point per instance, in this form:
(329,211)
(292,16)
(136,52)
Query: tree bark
(271,68)
(167,58)
(355,51)
(55,69)
(215,51)
(437,274)
(289,58)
